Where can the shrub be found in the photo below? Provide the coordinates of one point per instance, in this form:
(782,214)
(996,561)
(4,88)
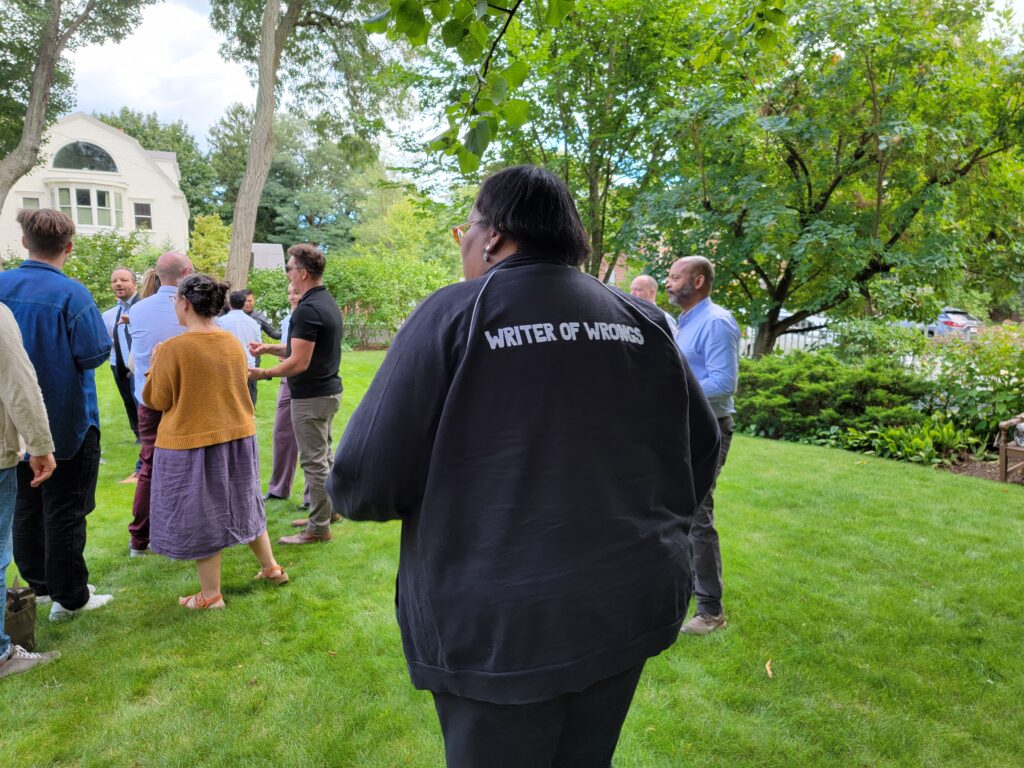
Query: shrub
(209,245)
(94,257)
(856,340)
(376,294)
(934,441)
(270,287)
(800,395)
(980,382)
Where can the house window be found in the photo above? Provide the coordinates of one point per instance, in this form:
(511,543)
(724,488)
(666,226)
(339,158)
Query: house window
(64,200)
(91,207)
(30,202)
(143,216)
(83,206)
(83,156)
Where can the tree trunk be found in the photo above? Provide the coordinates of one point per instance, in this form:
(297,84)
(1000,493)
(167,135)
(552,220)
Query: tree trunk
(274,32)
(764,341)
(25,156)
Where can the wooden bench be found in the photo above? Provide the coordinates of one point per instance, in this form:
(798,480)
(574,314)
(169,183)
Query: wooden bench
(1008,449)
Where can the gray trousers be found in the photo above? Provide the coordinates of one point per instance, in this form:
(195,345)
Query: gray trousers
(704,551)
(311,420)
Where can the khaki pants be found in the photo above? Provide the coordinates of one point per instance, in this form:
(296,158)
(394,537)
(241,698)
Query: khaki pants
(311,420)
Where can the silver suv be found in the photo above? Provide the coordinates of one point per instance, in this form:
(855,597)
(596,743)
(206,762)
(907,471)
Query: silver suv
(955,322)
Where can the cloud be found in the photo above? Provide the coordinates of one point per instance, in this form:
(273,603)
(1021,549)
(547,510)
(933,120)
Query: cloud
(170,65)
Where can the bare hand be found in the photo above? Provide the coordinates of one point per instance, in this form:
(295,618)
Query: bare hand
(42,467)
(256,374)
(257,348)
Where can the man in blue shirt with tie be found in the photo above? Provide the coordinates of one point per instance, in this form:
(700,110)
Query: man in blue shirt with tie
(709,339)
(122,283)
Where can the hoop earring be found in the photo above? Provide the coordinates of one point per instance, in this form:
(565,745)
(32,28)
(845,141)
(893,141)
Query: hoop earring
(487,255)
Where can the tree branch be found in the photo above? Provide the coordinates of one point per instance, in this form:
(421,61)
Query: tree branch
(75,25)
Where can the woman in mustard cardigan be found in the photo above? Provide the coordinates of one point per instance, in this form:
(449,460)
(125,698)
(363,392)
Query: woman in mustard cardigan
(206,487)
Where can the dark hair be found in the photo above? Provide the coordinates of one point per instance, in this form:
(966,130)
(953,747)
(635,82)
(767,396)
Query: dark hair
(47,232)
(309,258)
(533,208)
(206,294)
(247,291)
(237,299)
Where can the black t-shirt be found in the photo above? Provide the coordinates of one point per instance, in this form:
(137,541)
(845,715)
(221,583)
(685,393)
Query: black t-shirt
(317,319)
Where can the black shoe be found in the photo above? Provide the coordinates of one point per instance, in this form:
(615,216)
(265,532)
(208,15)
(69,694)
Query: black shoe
(272,497)
(303,505)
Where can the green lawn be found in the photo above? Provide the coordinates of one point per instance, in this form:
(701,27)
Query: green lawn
(886,596)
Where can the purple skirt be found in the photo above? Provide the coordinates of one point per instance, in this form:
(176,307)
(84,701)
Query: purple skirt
(204,500)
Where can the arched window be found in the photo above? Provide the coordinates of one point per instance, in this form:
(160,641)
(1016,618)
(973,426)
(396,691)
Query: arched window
(83,156)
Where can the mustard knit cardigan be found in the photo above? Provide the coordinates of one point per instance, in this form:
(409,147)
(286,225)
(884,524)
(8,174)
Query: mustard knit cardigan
(198,379)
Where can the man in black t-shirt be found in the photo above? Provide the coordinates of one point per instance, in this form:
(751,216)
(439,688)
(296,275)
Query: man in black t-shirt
(312,356)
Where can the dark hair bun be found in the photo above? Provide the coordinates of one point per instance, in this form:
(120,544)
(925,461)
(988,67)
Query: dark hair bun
(206,294)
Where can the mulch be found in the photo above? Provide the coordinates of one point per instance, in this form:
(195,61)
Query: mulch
(989,470)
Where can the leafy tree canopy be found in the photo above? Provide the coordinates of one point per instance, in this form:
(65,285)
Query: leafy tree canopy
(316,180)
(21,25)
(829,173)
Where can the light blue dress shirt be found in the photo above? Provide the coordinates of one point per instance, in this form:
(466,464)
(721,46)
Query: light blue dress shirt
(116,334)
(153,321)
(243,328)
(285,325)
(709,339)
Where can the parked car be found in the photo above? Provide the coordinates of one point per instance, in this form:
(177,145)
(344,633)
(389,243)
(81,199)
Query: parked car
(954,322)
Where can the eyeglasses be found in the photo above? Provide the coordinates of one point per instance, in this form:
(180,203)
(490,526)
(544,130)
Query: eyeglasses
(460,231)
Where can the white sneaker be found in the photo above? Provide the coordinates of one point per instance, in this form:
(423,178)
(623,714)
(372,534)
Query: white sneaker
(20,660)
(58,612)
(46,599)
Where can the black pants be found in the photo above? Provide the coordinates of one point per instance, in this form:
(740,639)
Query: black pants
(49,525)
(253,392)
(125,388)
(575,730)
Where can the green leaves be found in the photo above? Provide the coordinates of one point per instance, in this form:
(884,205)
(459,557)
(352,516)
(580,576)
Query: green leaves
(473,29)
(759,21)
(557,10)
(516,112)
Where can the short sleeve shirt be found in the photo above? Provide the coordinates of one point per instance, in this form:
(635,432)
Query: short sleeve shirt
(317,319)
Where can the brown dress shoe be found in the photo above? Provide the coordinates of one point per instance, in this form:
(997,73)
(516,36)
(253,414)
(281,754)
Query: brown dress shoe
(306,538)
(302,522)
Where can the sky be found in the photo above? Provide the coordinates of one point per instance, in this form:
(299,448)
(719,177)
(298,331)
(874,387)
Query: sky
(171,65)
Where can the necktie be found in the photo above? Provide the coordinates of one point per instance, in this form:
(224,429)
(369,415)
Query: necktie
(119,328)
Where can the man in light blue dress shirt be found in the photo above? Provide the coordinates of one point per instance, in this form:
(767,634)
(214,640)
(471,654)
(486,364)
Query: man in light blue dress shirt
(245,329)
(153,321)
(122,283)
(709,339)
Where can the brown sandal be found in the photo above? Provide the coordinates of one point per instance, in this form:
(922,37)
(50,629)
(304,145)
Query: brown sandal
(274,573)
(198,602)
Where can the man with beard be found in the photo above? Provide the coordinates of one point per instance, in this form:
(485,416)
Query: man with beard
(708,338)
(122,283)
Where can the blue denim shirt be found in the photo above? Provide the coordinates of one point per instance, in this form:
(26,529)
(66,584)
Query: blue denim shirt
(65,338)
(709,339)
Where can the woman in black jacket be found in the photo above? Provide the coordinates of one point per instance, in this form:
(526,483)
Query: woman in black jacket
(545,447)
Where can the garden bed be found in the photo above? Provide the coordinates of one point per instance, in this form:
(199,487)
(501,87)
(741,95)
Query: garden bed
(985,469)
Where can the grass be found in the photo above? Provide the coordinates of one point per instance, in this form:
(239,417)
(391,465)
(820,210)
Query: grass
(885,595)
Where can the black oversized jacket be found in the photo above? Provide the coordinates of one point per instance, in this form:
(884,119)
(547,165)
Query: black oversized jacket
(545,447)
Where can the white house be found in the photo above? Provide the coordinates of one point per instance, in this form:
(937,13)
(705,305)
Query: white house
(103,179)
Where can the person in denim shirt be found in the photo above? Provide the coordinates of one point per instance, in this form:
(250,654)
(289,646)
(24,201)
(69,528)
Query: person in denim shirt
(66,339)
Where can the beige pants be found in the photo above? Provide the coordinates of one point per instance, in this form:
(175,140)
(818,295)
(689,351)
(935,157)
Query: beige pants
(311,420)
